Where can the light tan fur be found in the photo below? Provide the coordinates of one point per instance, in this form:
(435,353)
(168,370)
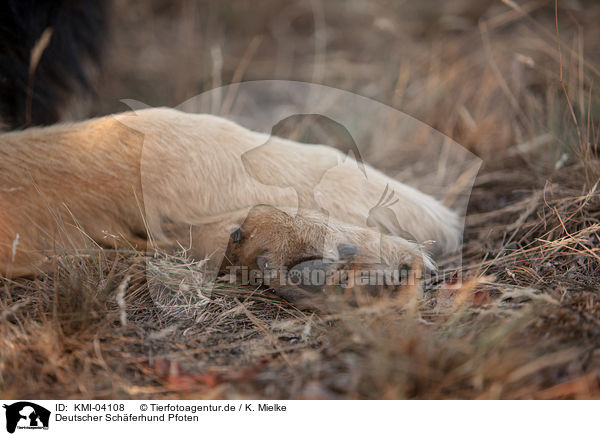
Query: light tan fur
(191,180)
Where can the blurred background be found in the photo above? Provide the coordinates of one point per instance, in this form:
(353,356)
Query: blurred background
(484,72)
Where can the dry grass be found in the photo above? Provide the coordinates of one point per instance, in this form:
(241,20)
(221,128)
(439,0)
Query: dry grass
(524,324)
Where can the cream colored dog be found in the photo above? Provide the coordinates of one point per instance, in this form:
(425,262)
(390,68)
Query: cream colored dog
(178,179)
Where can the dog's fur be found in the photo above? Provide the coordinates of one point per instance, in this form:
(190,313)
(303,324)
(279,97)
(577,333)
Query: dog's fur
(180,179)
(43,93)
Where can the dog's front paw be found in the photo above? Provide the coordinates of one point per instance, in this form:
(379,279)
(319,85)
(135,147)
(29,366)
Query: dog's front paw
(304,256)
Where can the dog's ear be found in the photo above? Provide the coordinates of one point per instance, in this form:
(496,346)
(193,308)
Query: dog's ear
(4,405)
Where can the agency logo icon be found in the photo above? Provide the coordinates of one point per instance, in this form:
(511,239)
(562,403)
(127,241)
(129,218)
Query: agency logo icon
(25,415)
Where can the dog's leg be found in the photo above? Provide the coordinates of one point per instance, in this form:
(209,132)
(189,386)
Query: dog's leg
(168,168)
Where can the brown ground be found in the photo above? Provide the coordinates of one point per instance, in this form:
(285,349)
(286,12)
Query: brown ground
(526,322)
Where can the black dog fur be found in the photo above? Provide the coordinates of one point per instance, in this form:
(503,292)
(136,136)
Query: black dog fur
(78,31)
